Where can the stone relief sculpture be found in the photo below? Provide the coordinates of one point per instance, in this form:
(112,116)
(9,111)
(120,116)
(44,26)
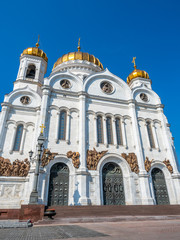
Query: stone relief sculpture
(93,158)
(16,169)
(131,158)
(47,156)
(75,158)
(168,165)
(147,164)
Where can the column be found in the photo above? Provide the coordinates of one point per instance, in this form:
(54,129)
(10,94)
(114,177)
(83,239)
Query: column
(68,128)
(23,140)
(44,108)
(146,197)
(95,132)
(155,137)
(57,127)
(147,134)
(114,132)
(13,139)
(82,173)
(105,131)
(124,133)
(170,153)
(3,119)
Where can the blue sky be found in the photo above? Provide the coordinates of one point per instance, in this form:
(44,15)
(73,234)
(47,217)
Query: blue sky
(114,31)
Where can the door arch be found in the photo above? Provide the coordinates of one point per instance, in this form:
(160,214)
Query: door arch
(159,187)
(58,185)
(113,186)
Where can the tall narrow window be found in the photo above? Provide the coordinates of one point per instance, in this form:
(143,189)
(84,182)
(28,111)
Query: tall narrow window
(31,71)
(62,130)
(109,130)
(150,135)
(18,137)
(119,132)
(99,129)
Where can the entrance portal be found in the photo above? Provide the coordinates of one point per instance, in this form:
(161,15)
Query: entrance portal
(159,185)
(58,185)
(113,187)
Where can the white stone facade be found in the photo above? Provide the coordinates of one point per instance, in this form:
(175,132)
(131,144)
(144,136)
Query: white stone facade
(83,102)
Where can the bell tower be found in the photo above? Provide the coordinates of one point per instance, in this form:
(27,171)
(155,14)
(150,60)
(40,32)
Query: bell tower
(33,66)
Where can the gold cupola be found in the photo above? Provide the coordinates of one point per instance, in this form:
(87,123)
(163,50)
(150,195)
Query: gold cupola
(35,51)
(78,56)
(137,73)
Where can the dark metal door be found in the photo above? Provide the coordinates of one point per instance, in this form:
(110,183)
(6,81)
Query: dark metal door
(159,185)
(58,185)
(113,187)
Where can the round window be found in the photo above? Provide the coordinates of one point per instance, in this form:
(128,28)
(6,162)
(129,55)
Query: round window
(144,97)
(25,100)
(65,83)
(106,87)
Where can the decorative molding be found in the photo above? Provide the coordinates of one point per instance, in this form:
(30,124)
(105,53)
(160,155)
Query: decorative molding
(45,160)
(131,158)
(147,164)
(93,158)
(16,169)
(168,165)
(75,158)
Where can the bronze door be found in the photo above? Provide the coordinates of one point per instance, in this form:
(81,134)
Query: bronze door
(159,185)
(58,185)
(113,187)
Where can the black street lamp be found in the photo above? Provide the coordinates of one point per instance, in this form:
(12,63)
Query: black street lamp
(34,193)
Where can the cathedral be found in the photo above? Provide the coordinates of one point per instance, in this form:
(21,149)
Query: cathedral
(84,136)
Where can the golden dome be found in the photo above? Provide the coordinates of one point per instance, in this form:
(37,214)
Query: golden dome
(35,51)
(137,73)
(78,56)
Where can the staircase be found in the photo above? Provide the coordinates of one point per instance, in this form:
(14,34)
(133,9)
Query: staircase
(77,214)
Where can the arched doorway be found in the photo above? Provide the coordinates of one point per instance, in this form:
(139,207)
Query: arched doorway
(159,186)
(58,185)
(113,187)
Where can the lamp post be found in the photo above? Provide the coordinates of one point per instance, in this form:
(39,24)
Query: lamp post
(34,193)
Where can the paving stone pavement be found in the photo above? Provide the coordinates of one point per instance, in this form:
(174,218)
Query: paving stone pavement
(129,230)
(48,233)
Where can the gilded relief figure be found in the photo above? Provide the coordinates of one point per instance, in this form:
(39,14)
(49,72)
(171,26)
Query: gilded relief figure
(168,165)
(45,160)
(75,158)
(93,158)
(16,169)
(147,164)
(131,158)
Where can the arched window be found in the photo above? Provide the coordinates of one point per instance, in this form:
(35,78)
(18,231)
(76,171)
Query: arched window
(119,132)
(150,135)
(62,130)
(31,71)
(109,130)
(18,137)
(99,129)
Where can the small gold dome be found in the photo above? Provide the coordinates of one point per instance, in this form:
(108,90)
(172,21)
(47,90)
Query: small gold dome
(78,56)
(137,73)
(35,51)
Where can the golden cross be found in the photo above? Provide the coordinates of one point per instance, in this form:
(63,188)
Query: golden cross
(79,47)
(42,128)
(133,61)
(37,44)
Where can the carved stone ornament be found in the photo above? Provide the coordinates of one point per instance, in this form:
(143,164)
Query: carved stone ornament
(25,100)
(168,165)
(16,169)
(106,87)
(93,158)
(45,160)
(147,164)
(131,158)
(75,158)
